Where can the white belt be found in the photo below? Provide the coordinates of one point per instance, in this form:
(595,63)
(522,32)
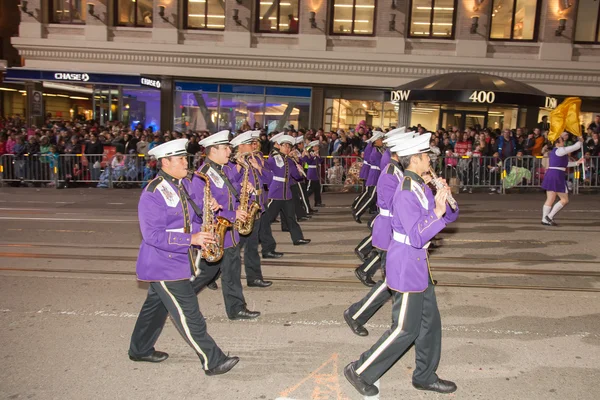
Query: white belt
(385,213)
(374,167)
(279,179)
(178,230)
(312,166)
(366,163)
(402,238)
(558,168)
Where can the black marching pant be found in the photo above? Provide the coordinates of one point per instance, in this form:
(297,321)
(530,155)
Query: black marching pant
(363,191)
(315,187)
(365,246)
(363,310)
(415,319)
(251,258)
(367,201)
(230,267)
(265,235)
(372,263)
(177,298)
(287,206)
(299,205)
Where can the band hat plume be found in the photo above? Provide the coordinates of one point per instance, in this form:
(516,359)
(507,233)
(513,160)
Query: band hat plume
(286,139)
(221,137)
(414,145)
(565,117)
(175,147)
(277,136)
(242,138)
(395,132)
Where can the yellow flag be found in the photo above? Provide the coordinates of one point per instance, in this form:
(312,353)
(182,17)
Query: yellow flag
(565,117)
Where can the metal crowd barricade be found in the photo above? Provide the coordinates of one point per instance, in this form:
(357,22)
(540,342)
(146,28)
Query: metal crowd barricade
(37,169)
(340,173)
(465,173)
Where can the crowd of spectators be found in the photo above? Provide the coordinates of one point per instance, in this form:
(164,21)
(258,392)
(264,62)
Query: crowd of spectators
(474,155)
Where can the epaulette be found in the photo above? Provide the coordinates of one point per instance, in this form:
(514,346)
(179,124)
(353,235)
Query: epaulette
(205,168)
(407,183)
(390,169)
(154,184)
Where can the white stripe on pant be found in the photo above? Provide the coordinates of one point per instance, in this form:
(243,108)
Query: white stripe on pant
(371,299)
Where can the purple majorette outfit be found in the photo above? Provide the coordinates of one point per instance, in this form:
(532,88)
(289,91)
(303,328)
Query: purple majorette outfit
(555,177)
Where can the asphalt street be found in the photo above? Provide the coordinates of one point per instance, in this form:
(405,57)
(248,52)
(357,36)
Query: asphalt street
(519,305)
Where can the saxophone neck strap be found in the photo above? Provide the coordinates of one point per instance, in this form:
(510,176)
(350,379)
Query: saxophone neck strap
(219,169)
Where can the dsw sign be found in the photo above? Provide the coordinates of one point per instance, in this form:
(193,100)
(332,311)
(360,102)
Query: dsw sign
(399,95)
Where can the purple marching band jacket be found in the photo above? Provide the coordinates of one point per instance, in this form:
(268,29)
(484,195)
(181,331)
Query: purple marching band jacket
(414,224)
(375,170)
(293,180)
(259,180)
(364,170)
(283,169)
(220,191)
(386,187)
(385,159)
(167,221)
(313,162)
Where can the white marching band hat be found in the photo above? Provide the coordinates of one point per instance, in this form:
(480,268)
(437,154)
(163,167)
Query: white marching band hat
(221,137)
(395,139)
(299,139)
(395,131)
(255,135)
(286,139)
(313,143)
(376,135)
(242,138)
(175,147)
(415,145)
(277,136)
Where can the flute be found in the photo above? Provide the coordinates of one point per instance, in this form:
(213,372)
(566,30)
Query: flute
(439,185)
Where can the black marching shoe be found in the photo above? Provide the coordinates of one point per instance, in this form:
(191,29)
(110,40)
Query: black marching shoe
(301,242)
(360,255)
(549,222)
(356,217)
(213,286)
(359,384)
(355,326)
(313,211)
(156,357)
(224,367)
(364,278)
(272,254)
(259,283)
(302,219)
(441,386)
(320,205)
(246,314)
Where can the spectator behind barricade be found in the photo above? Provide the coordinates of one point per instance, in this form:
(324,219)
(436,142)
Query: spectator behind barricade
(593,145)
(434,154)
(193,147)
(591,170)
(130,143)
(334,143)
(595,126)
(118,161)
(142,145)
(2,144)
(494,171)
(265,147)
(155,142)
(94,150)
(507,146)
(335,174)
(11,141)
(544,125)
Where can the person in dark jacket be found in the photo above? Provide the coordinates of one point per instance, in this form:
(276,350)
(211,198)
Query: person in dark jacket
(93,151)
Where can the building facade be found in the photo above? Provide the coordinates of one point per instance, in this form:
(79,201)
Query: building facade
(312,63)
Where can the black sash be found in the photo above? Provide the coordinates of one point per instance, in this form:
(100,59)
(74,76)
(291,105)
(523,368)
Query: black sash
(232,190)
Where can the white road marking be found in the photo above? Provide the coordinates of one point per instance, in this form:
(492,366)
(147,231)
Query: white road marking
(69,219)
(115,204)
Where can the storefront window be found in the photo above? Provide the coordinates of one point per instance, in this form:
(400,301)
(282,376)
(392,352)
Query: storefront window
(278,16)
(432,18)
(141,106)
(353,17)
(205,14)
(588,22)
(213,107)
(136,13)
(514,20)
(427,115)
(346,114)
(68,11)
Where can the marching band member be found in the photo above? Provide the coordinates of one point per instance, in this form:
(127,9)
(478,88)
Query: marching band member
(371,197)
(386,185)
(280,194)
(311,157)
(554,180)
(224,192)
(364,173)
(170,228)
(417,217)
(243,143)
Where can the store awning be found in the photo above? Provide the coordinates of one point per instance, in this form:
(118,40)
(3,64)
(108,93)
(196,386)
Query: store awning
(473,88)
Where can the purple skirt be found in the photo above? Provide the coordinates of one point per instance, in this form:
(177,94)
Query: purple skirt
(554,180)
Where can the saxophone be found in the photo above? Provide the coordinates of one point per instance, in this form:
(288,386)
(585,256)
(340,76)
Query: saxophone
(244,227)
(438,185)
(216,226)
